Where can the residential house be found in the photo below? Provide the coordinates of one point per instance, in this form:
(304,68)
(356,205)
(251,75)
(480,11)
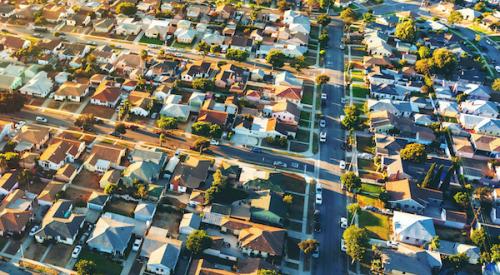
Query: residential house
(213,38)
(197,69)
(97,201)
(141,103)
(112,176)
(189,223)
(463,147)
(145,172)
(488,126)
(408,197)
(412,229)
(40,85)
(263,127)
(72,91)
(480,108)
(103,157)
(111,235)
(129,64)
(284,93)
(179,111)
(285,111)
(31,138)
(268,208)
(397,108)
(106,95)
(153,155)
(127,27)
(475,91)
(60,224)
(66,174)
(145,211)
(262,241)
(162,253)
(410,260)
(104,54)
(287,79)
(185,36)
(50,193)
(469,14)
(230,74)
(59,152)
(12,44)
(8,183)
(485,145)
(386,91)
(190,174)
(104,25)
(448,248)
(16,211)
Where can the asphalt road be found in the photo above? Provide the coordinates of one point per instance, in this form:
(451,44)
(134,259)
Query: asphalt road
(332,260)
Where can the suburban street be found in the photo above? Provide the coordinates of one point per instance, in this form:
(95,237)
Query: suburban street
(332,260)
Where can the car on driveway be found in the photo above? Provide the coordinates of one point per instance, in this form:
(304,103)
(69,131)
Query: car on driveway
(137,244)
(319,188)
(41,119)
(342,245)
(76,251)
(322,123)
(392,244)
(319,198)
(34,230)
(342,165)
(343,222)
(322,136)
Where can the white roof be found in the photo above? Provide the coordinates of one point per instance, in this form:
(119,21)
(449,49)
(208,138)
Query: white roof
(413,226)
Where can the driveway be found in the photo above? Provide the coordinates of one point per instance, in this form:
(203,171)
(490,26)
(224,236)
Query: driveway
(238,139)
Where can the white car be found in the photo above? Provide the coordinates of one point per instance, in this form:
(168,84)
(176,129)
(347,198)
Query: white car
(342,245)
(279,163)
(20,124)
(137,244)
(41,119)
(322,123)
(342,46)
(322,136)
(323,96)
(497,68)
(76,251)
(34,230)
(315,253)
(319,198)
(319,188)
(342,165)
(343,222)
(214,142)
(392,244)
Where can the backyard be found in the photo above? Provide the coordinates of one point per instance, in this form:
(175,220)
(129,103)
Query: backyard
(122,207)
(378,225)
(104,265)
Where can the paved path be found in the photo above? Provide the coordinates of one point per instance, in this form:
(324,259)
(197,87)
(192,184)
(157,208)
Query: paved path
(127,265)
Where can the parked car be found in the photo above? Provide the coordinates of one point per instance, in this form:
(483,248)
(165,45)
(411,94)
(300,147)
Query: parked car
(343,222)
(34,229)
(342,165)
(137,244)
(315,253)
(279,163)
(319,198)
(41,119)
(322,136)
(256,150)
(323,96)
(316,215)
(214,142)
(392,244)
(322,123)
(317,226)
(342,246)
(76,251)
(319,188)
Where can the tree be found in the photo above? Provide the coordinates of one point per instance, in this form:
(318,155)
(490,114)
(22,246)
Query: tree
(479,6)
(308,246)
(267,272)
(202,84)
(299,62)
(434,245)
(414,152)
(110,188)
(350,181)
(11,102)
(215,48)
(288,199)
(85,121)
(167,123)
(85,267)
(424,66)
(237,55)
(495,253)
(356,242)
(322,79)
(455,17)
(376,266)
(276,58)
(323,38)
(351,118)
(353,208)
(424,52)
(445,61)
(282,5)
(323,19)
(496,85)
(203,47)
(478,237)
(368,17)
(462,199)
(437,177)
(120,128)
(406,30)
(458,261)
(201,144)
(126,8)
(348,15)
(201,128)
(198,241)
(428,177)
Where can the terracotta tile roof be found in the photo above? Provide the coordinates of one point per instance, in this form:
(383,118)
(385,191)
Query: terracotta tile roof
(13,42)
(101,151)
(105,93)
(50,191)
(15,212)
(212,116)
(288,92)
(71,89)
(404,189)
(263,238)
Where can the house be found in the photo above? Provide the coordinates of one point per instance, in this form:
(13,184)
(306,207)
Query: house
(412,229)
(106,95)
(103,157)
(164,259)
(388,145)
(129,64)
(448,248)
(463,147)
(230,74)
(285,111)
(40,85)
(387,91)
(145,172)
(7,10)
(213,117)
(141,103)
(189,174)
(397,108)
(111,235)
(287,79)
(127,27)
(8,183)
(153,155)
(452,219)
(410,260)
(189,223)
(480,108)
(213,38)
(72,91)
(268,208)
(31,138)
(66,174)
(51,193)
(145,211)
(408,197)
(263,127)
(486,145)
(469,14)
(262,241)
(59,152)
(16,211)
(97,201)
(12,44)
(104,55)
(175,110)
(283,93)
(79,18)
(104,25)
(488,126)
(185,36)
(197,69)
(60,224)
(111,176)
(475,91)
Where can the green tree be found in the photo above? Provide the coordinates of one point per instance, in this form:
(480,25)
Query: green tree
(201,144)
(356,242)
(458,261)
(462,199)
(120,128)
(85,121)
(495,253)
(428,177)
(203,47)
(445,61)
(323,19)
(198,241)
(351,118)
(322,79)
(276,58)
(267,272)
(455,17)
(288,199)
(414,152)
(424,66)
(299,62)
(353,208)
(434,245)
(479,6)
(308,246)
(496,85)
(368,17)
(376,266)
(424,52)
(237,55)
(350,181)
(215,48)
(202,84)
(126,8)
(406,30)
(323,38)
(167,123)
(85,267)
(201,128)
(11,102)
(110,188)
(478,237)
(348,15)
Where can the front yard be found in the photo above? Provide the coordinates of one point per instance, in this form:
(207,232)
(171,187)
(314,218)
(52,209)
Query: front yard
(307,95)
(378,225)
(360,90)
(104,264)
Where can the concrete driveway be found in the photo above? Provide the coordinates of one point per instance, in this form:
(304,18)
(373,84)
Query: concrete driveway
(244,140)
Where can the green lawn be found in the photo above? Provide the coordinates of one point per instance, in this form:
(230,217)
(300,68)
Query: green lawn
(360,90)
(148,40)
(357,75)
(302,135)
(371,188)
(182,45)
(495,38)
(307,96)
(378,225)
(365,200)
(305,115)
(104,265)
(365,164)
